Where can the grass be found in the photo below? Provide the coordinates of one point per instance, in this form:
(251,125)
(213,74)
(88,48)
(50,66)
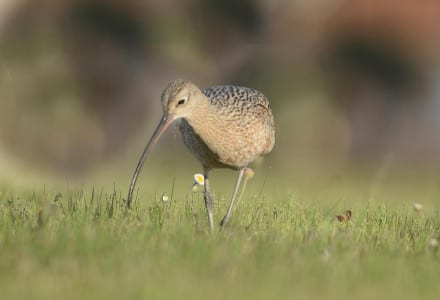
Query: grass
(78,243)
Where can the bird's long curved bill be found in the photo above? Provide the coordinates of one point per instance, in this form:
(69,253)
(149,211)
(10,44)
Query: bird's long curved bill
(160,129)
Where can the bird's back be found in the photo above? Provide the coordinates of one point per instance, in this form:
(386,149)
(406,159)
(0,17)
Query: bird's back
(237,99)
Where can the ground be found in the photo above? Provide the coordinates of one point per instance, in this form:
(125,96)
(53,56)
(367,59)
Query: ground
(283,242)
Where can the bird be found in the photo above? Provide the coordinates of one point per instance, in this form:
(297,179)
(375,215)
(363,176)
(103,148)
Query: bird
(225,126)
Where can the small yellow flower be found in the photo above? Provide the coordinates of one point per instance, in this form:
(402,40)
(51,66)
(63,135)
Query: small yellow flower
(199,179)
(249,173)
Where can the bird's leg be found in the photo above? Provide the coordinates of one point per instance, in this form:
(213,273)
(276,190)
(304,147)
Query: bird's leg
(226,218)
(208,201)
(248,174)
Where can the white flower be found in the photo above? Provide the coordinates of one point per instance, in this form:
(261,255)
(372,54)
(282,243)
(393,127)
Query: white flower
(199,179)
(433,243)
(418,207)
(164,198)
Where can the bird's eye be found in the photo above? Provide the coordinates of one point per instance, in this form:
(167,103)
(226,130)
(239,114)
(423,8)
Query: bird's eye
(181,101)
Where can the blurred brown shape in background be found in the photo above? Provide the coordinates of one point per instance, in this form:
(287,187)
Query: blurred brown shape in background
(80,79)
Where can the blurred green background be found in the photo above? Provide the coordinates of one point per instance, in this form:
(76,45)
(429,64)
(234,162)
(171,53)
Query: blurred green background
(354,85)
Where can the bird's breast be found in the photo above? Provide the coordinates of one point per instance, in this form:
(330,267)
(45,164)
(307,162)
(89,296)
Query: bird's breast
(228,141)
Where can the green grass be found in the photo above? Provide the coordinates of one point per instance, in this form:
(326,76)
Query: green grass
(84,244)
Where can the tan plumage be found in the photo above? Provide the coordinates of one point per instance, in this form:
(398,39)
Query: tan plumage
(223,127)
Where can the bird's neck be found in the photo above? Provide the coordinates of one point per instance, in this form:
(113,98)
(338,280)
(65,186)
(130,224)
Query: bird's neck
(204,119)
(202,115)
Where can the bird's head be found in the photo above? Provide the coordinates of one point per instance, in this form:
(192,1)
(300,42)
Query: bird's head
(179,98)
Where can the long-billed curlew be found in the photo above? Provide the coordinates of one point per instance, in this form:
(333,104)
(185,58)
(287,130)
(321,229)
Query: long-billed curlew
(223,127)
